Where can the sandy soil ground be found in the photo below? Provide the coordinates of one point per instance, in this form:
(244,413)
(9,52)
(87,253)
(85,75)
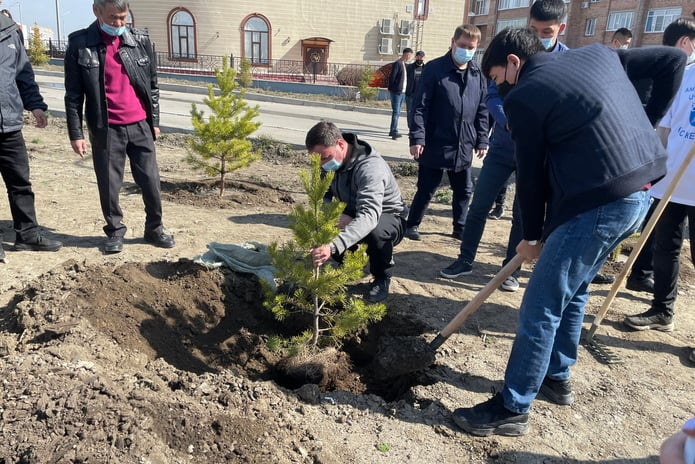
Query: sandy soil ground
(144,357)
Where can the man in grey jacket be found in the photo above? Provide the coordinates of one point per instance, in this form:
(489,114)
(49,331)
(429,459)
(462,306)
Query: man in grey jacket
(18,91)
(374,209)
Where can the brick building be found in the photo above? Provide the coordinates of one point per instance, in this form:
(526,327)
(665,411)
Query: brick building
(588,21)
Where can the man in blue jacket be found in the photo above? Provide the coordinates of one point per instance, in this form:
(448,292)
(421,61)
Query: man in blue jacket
(547,22)
(586,156)
(450,125)
(18,91)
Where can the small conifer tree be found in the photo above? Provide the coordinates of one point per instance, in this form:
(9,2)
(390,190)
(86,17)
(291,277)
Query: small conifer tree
(245,74)
(37,50)
(367,93)
(321,291)
(220,144)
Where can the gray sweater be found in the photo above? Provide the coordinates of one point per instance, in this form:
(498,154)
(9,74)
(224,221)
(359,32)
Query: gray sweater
(366,185)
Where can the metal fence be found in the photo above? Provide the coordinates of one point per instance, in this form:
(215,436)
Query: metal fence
(275,70)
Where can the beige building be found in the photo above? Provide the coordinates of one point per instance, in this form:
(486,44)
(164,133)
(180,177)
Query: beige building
(308,31)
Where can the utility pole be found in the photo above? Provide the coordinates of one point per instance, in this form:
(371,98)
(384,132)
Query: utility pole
(58,19)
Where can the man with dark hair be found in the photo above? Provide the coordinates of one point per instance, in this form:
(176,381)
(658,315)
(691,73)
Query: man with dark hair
(413,72)
(19,92)
(450,125)
(111,78)
(398,83)
(374,210)
(622,38)
(580,193)
(680,34)
(547,21)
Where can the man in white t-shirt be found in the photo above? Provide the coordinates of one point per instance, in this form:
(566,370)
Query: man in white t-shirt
(677,131)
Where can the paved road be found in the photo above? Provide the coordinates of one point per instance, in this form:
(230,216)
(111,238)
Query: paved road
(281,120)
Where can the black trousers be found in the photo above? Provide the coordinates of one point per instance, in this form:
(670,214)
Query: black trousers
(668,240)
(643,268)
(14,166)
(380,244)
(109,153)
(428,180)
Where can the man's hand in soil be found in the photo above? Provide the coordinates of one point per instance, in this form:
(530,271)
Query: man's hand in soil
(79,147)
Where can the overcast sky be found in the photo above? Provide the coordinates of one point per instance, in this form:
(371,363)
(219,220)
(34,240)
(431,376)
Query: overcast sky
(74,14)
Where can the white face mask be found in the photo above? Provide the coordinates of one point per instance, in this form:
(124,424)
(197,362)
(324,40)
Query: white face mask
(624,46)
(691,57)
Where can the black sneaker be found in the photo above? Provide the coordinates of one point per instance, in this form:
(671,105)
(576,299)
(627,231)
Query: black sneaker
(557,391)
(640,285)
(457,234)
(159,239)
(491,417)
(2,254)
(378,290)
(113,245)
(691,358)
(603,279)
(395,135)
(38,243)
(457,268)
(651,319)
(413,234)
(496,212)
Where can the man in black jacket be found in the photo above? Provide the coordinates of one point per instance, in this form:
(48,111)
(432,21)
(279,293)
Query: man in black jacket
(397,86)
(413,71)
(111,68)
(18,91)
(586,157)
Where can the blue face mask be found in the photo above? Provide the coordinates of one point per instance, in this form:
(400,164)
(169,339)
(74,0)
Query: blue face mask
(463,55)
(548,43)
(331,165)
(112,31)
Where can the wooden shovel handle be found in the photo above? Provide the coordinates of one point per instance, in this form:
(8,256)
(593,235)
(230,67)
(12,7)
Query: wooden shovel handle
(481,296)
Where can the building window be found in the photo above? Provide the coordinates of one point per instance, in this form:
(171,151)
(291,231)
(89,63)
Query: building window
(481,7)
(182,33)
(509,4)
(590,28)
(422,9)
(256,40)
(478,57)
(518,22)
(657,20)
(619,19)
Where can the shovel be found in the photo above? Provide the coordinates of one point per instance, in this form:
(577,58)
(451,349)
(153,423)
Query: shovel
(604,353)
(408,354)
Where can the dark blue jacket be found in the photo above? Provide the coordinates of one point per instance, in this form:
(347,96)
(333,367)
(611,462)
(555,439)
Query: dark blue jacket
(450,118)
(581,136)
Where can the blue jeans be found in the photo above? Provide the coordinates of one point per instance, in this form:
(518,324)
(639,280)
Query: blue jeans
(552,310)
(396,103)
(494,175)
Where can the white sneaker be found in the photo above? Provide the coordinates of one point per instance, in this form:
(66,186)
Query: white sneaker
(510,284)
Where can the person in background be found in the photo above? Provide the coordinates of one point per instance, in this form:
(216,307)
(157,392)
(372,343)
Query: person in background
(676,131)
(19,92)
(374,209)
(413,72)
(580,195)
(546,20)
(450,125)
(622,38)
(680,34)
(111,78)
(498,208)
(19,27)
(398,83)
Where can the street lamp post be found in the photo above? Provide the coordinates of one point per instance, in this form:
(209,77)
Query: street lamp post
(58,19)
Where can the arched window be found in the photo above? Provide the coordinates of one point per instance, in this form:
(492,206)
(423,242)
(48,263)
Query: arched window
(182,33)
(256,40)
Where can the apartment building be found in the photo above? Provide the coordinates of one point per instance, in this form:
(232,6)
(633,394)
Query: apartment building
(588,21)
(315,31)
